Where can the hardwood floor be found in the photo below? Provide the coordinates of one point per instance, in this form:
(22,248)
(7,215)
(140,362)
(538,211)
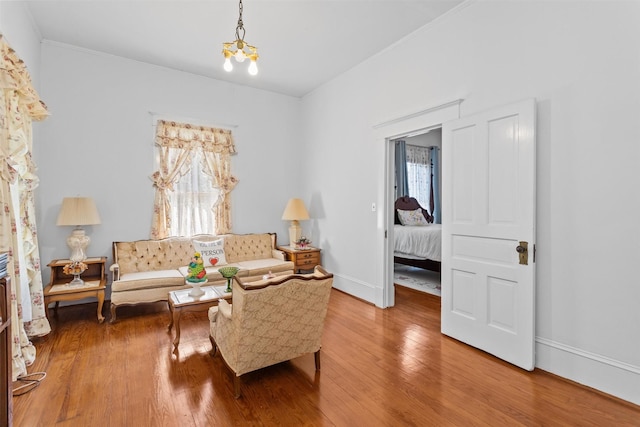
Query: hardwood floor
(379,368)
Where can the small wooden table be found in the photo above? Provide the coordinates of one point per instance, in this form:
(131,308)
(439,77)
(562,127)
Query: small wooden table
(58,288)
(180,301)
(303,259)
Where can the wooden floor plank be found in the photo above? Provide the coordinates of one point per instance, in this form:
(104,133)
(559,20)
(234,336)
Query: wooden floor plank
(379,368)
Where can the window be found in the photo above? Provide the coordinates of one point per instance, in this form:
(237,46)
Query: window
(193,201)
(193,180)
(419,174)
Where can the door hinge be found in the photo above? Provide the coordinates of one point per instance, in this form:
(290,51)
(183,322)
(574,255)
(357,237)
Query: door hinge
(534,252)
(385,234)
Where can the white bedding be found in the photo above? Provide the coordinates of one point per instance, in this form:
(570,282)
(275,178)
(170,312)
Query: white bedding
(418,242)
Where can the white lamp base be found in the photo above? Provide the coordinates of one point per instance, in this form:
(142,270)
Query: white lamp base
(78,243)
(295,232)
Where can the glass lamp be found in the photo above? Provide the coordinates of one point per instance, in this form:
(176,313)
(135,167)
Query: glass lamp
(294,212)
(78,211)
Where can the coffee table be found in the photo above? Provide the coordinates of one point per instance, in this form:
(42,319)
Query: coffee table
(180,301)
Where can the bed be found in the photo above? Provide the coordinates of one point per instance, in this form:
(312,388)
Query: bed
(416,245)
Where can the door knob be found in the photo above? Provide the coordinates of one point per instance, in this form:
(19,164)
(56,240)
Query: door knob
(523,253)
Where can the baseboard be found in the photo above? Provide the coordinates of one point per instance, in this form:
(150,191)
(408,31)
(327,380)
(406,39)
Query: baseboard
(610,376)
(355,287)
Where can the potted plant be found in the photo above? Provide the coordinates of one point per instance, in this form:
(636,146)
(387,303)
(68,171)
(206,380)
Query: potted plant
(303,243)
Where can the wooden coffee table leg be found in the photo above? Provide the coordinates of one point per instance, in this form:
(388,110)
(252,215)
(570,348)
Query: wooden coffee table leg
(100,303)
(177,312)
(170,315)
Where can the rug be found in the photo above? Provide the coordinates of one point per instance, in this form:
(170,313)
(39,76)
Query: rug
(417,278)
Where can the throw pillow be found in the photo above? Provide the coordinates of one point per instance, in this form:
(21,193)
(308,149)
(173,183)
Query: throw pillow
(212,253)
(412,217)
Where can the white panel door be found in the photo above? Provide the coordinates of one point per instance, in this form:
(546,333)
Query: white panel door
(488,296)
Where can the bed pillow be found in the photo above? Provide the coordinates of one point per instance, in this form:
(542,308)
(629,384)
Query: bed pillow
(412,217)
(212,252)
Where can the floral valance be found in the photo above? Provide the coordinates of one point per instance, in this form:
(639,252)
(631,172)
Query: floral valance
(14,76)
(187,136)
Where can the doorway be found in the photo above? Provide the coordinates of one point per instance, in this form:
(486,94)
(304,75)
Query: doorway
(386,133)
(417,238)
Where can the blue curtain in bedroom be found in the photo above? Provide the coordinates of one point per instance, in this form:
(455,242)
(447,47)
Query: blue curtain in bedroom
(436,211)
(402,182)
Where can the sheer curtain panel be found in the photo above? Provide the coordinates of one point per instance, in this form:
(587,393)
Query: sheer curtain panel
(419,174)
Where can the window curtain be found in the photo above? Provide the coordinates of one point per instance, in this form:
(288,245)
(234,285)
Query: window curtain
(402,183)
(419,174)
(176,143)
(19,105)
(436,209)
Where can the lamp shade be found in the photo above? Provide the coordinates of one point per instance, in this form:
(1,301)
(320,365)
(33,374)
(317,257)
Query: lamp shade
(295,210)
(78,211)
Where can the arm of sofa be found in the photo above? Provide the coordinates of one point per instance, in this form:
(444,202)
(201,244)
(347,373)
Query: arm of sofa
(278,254)
(115,269)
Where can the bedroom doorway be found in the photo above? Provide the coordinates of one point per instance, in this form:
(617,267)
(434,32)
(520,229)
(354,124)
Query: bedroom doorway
(417,123)
(417,188)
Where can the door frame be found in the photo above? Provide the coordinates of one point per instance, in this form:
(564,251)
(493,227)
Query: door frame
(385,133)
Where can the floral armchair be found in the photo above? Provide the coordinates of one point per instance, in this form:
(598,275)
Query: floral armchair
(270,321)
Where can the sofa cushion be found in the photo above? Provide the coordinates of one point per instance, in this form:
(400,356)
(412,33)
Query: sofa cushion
(212,252)
(148,279)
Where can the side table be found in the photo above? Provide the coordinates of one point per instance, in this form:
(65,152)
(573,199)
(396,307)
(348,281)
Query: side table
(58,288)
(180,301)
(303,259)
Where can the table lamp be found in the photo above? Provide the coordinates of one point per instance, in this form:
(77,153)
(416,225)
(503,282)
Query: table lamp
(78,211)
(294,212)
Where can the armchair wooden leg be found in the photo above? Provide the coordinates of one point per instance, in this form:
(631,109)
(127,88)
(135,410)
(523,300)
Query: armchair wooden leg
(317,357)
(214,347)
(236,386)
(113,313)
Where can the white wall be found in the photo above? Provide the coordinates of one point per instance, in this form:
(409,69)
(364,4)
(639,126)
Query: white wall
(98,142)
(581,61)
(18,29)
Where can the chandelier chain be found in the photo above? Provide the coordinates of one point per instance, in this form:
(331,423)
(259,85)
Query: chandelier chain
(240,24)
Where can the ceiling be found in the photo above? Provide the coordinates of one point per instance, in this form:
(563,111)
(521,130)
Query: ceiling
(302,43)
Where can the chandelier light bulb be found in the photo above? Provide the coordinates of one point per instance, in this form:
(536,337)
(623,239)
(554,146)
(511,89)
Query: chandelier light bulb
(228,67)
(253,67)
(240,55)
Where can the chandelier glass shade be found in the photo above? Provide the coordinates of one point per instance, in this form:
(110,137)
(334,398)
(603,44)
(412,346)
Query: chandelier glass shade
(239,50)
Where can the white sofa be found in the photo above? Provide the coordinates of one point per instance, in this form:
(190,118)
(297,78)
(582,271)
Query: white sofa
(146,271)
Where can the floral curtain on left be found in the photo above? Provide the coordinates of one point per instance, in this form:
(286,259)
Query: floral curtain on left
(19,105)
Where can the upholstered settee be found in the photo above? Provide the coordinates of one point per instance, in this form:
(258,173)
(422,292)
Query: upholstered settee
(146,271)
(270,321)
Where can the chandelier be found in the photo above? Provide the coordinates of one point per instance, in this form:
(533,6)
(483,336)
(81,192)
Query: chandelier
(239,49)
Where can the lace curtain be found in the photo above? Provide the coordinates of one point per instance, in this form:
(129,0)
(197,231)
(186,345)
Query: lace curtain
(419,174)
(19,105)
(179,144)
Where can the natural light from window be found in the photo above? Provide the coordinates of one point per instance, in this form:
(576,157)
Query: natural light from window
(193,201)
